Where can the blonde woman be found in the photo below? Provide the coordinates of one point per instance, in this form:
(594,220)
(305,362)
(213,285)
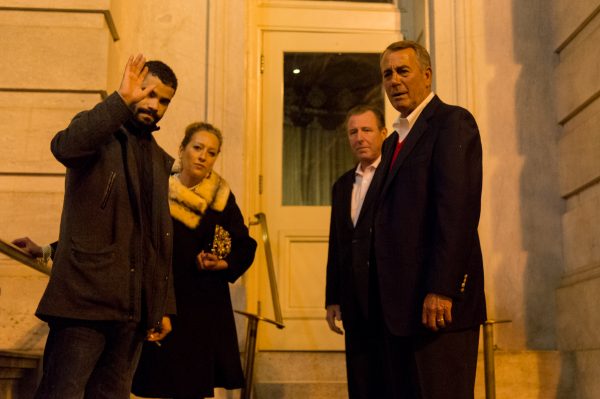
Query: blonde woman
(212,248)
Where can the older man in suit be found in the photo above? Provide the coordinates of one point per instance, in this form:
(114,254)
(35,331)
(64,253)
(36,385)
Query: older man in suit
(349,244)
(427,290)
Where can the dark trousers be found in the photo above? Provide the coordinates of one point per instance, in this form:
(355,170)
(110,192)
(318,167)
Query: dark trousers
(357,360)
(429,365)
(89,359)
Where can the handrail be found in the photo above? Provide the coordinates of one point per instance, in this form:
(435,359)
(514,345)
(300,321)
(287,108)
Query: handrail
(488,357)
(253,319)
(17,254)
(261,219)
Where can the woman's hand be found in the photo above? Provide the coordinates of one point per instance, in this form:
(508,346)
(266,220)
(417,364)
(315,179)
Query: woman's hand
(209,261)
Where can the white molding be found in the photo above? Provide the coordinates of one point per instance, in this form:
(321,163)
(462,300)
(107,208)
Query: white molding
(449,27)
(327,16)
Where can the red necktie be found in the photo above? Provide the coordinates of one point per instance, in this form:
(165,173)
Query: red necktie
(396,152)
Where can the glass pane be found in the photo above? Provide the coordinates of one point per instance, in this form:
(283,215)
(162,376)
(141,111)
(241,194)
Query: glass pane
(319,88)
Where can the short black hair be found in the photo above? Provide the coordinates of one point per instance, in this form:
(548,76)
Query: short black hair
(163,72)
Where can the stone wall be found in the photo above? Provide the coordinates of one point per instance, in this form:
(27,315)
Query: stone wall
(577,104)
(496,59)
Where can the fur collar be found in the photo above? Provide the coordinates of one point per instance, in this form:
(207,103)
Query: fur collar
(188,205)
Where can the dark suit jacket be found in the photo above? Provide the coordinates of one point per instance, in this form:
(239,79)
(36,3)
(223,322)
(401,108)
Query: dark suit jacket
(349,249)
(425,236)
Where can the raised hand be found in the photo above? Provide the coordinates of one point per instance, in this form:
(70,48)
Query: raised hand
(131,89)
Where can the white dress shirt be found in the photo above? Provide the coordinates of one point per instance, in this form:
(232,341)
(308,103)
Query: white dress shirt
(403,125)
(362,181)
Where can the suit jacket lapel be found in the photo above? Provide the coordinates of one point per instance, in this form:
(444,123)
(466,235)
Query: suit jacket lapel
(345,199)
(372,192)
(411,140)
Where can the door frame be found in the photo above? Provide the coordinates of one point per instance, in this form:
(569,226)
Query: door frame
(292,16)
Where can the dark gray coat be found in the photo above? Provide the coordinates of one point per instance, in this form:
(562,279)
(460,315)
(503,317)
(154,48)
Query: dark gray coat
(98,272)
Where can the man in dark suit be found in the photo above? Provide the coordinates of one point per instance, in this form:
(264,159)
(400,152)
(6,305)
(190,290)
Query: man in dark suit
(426,298)
(349,243)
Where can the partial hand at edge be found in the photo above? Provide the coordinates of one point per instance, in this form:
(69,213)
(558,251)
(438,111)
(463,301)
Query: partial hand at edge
(157,334)
(27,245)
(334,313)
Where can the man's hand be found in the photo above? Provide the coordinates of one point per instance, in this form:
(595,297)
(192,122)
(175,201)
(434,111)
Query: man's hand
(437,311)
(210,261)
(334,313)
(157,334)
(131,90)
(27,245)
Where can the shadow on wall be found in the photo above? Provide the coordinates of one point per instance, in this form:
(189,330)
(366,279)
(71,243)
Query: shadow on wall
(537,133)
(523,137)
(538,200)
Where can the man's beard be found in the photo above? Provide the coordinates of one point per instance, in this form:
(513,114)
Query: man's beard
(149,112)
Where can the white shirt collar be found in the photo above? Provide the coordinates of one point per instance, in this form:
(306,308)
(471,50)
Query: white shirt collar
(404,125)
(374,165)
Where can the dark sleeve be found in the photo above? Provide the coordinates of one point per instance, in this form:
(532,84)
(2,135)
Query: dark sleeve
(332,281)
(457,181)
(79,142)
(54,245)
(243,247)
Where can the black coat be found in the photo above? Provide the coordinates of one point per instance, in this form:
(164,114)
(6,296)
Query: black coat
(349,250)
(202,350)
(426,217)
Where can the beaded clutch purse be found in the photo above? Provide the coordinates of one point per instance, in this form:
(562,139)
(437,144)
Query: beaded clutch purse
(221,245)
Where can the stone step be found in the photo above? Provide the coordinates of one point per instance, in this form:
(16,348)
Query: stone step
(19,373)
(519,374)
(300,366)
(303,390)
(529,375)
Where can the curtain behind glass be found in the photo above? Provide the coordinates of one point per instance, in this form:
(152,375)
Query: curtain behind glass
(319,88)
